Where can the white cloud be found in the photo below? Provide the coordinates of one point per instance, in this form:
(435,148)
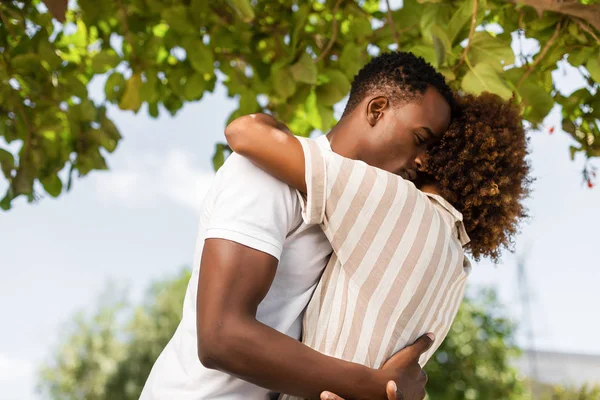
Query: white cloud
(151,178)
(17,378)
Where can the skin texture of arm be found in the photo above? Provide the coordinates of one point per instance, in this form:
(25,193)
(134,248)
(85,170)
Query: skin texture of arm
(269,145)
(233,281)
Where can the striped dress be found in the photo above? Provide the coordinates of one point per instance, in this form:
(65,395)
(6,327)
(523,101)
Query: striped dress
(398,269)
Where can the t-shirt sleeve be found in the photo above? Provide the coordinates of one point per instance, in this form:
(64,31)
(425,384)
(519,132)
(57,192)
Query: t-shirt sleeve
(251,207)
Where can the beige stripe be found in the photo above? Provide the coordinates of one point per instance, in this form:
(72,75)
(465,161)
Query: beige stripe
(318,181)
(399,285)
(338,186)
(327,277)
(366,241)
(356,207)
(355,259)
(417,297)
(453,274)
(337,330)
(368,288)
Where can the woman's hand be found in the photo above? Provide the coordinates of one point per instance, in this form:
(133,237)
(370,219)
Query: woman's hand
(403,368)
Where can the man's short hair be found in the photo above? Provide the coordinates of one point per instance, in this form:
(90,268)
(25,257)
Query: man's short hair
(398,75)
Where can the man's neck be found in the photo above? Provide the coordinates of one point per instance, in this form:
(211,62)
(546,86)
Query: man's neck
(344,140)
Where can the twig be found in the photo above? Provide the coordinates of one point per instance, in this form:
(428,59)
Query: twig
(333,35)
(473,25)
(541,54)
(8,27)
(587,29)
(392,25)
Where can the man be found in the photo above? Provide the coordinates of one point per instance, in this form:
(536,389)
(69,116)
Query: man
(257,264)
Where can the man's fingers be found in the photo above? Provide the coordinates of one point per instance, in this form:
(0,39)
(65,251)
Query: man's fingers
(421,345)
(330,396)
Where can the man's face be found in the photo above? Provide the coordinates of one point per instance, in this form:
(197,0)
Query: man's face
(402,135)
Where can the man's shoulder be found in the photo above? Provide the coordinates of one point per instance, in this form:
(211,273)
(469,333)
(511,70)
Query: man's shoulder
(238,170)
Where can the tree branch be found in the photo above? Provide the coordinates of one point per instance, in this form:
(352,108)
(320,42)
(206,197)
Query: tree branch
(541,54)
(6,23)
(58,8)
(333,35)
(392,25)
(127,35)
(587,29)
(590,13)
(471,31)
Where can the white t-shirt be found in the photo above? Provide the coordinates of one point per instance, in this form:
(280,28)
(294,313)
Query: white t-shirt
(247,206)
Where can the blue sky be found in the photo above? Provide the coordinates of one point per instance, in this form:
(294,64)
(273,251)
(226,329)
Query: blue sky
(137,223)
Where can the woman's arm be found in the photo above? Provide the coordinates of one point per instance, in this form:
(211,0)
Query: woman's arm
(269,145)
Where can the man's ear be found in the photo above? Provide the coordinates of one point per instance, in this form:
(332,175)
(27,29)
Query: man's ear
(375,109)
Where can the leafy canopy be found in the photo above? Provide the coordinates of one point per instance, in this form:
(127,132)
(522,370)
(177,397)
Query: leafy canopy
(292,58)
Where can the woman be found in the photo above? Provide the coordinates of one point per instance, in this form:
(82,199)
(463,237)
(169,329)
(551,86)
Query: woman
(398,269)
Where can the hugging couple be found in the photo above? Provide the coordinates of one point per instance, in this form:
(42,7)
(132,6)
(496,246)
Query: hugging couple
(333,267)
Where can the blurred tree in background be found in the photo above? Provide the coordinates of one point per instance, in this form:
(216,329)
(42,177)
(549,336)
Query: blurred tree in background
(109,355)
(583,393)
(292,58)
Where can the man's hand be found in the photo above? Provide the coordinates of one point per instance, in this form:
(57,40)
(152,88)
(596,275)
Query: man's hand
(407,378)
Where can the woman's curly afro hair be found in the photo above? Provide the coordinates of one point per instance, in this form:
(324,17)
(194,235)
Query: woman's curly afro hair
(479,166)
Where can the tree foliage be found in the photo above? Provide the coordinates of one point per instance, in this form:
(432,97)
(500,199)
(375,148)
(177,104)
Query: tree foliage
(109,355)
(292,58)
(569,393)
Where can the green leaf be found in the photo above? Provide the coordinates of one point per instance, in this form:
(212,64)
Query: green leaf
(104,61)
(572,151)
(427,52)
(568,126)
(7,163)
(88,110)
(194,87)
(593,67)
(47,53)
(177,18)
(219,156)
(327,118)
(335,89)
(131,97)
(484,77)
(352,59)
(312,111)
(148,91)
(442,35)
(115,86)
(494,51)
(305,70)
(248,102)
(283,82)
(52,184)
(77,87)
(200,56)
(153,109)
(459,19)
(540,101)
(199,9)
(440,51)
(580,56)
(244,9)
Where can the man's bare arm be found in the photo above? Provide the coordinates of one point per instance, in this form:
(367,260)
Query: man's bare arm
(233,281)
(268,144)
